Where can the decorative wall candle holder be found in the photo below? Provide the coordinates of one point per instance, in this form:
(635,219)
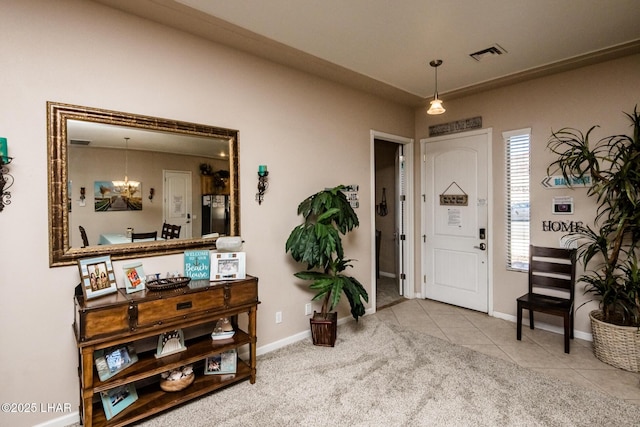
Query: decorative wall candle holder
(263,183)
(6,181)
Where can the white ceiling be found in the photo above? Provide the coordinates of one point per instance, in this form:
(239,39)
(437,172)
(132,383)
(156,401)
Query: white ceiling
(386,46)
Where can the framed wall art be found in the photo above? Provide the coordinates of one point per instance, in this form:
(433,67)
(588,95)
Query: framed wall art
(97,277)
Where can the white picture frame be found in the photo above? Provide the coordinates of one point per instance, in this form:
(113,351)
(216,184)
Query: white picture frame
(562,205)
(228,266)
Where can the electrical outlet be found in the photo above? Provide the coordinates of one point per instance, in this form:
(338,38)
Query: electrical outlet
(307,309)
(278,317)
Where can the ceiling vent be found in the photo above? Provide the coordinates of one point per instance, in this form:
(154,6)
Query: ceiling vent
(489,52)
(79,142)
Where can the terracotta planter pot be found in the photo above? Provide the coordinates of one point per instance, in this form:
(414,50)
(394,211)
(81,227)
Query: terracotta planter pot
(324,329)
(615,345)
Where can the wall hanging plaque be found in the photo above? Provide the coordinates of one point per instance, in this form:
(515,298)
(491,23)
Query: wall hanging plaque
(454,199)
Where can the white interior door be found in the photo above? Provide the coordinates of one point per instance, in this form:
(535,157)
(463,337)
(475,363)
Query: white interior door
(400,234)
(456,234)
(177,201)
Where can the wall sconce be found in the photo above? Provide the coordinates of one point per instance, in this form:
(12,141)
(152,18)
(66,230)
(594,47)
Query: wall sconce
(263,184)
(151,193)
(6,180)
(82,193)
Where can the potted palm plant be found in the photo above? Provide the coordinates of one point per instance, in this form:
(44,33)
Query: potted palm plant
(317,242)
(608,249)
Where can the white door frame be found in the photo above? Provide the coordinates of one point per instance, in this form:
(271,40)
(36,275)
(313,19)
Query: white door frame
(490,234)
(409,262)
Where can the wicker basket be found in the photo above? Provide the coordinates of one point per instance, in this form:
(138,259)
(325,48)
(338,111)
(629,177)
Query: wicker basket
(177,385)
(615,345)
(324,329)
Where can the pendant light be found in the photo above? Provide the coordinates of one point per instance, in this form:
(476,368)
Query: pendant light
(125,187)
(436,104)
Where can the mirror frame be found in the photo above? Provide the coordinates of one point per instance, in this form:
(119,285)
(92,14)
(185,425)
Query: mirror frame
(60,252)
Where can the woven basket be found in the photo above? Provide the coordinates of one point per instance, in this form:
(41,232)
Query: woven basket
(324,329)
(177,385)
(615,345)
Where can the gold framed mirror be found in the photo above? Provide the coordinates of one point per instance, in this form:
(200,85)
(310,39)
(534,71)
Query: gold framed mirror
(178,171)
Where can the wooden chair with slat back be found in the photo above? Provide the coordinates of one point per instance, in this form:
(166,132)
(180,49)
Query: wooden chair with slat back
(139,236)
(83,234)
(552,276)
(170,231)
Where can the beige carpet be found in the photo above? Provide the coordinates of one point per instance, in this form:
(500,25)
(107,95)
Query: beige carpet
(381,375)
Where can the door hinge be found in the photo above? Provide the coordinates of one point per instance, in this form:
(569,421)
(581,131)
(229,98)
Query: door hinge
(403,198)
(424,278)
(424,238)
(403,237)
(403,276)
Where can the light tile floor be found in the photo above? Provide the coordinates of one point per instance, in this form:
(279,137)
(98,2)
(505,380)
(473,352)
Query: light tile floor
(539,350)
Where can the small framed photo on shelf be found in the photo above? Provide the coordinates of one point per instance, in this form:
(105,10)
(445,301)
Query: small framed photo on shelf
(221,363)
(170,343)
(134,277)
(227,266)
(110,361)
(97,277)
(196,264)
(117,399)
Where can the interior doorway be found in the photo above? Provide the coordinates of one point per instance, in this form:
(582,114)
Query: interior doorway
(392,225)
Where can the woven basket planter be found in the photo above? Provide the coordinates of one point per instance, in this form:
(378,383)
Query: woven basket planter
(615,345)
(324,329)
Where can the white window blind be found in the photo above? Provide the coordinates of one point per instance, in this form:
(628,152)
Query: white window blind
(517,144)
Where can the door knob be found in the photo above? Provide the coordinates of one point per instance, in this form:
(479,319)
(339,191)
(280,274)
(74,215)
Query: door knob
(482,247)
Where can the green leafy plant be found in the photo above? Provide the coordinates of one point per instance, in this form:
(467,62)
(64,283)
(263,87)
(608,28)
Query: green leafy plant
(318,243)
(609,249)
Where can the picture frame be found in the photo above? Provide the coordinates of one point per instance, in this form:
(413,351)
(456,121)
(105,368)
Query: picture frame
(97,276)
(562,205)
(227,266)
(197,264)
(117,399)
(134,277)
(170,342)
(109,361)
(221,363)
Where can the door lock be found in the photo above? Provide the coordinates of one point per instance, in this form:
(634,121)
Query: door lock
(482,247)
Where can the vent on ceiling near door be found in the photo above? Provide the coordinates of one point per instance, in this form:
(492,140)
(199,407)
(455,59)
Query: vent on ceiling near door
(489,52)
(79,142)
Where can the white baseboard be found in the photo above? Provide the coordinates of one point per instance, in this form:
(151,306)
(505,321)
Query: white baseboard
(66,420)
(544,326)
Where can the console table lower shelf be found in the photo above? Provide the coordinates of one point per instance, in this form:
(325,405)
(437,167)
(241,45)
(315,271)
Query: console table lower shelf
(123,320)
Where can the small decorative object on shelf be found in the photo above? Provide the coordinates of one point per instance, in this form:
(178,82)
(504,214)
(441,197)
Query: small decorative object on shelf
(222,363)
(263,183)
(170,343)
(168,283)
(97,276)
(110,361)
(134,277)
(177,379)
(223,330)
(227,266)
(196,264)
(118,399)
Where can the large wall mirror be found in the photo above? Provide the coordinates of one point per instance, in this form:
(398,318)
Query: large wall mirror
(113,175)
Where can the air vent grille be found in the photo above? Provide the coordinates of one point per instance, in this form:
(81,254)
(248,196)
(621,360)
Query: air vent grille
(489,52)
(79,142)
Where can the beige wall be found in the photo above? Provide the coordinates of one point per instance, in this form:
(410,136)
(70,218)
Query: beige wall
(594,95)
(311,133)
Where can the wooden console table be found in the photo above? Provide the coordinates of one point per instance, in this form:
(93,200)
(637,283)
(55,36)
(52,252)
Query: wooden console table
(139,319)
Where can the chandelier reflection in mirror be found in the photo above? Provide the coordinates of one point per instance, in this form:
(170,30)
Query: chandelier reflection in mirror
(126,188)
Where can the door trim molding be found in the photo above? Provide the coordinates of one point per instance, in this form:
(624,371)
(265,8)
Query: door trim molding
(409,259)
(490,224)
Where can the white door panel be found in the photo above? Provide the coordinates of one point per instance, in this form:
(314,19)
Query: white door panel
(177,201)
(456,269)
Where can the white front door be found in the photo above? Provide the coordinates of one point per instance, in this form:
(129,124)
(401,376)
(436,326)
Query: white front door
(455,219)
(177,201)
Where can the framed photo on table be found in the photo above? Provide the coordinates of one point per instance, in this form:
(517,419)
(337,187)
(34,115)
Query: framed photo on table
(97,277)
(227,266)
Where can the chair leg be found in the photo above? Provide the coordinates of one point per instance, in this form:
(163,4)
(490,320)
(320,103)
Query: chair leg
(519,322)
(530,319)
